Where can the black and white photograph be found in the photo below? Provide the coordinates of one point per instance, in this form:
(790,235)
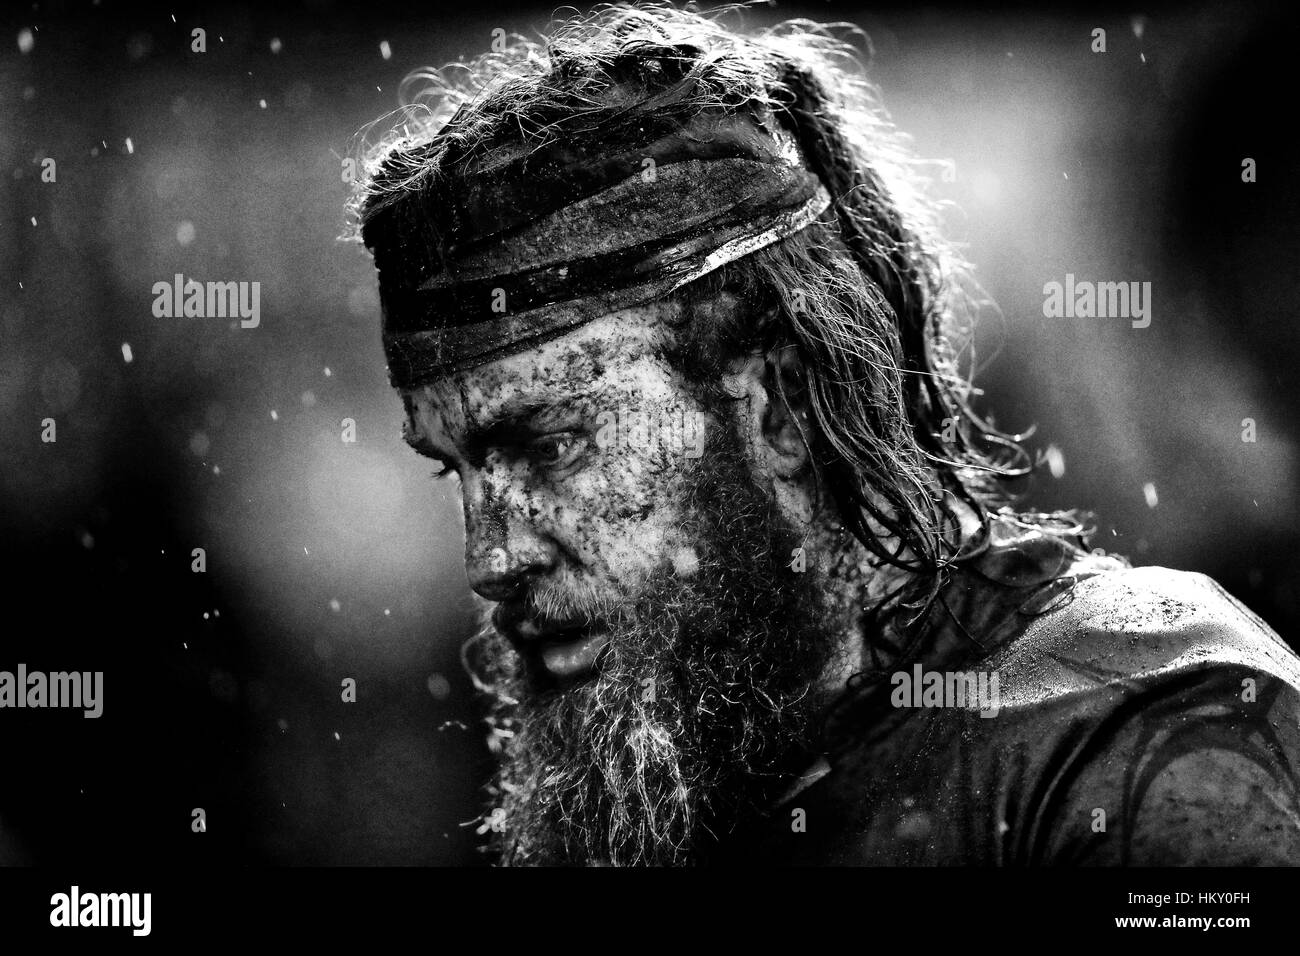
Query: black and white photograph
(819,441)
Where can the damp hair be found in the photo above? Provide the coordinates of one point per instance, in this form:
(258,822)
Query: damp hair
(878,305)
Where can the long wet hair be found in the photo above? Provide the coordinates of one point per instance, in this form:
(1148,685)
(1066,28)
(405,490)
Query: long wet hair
(878,305)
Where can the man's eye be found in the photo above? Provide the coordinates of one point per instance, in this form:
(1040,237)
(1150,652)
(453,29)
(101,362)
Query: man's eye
(560,448)
(443,471)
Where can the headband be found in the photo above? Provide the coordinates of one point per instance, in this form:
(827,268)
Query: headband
(501,255)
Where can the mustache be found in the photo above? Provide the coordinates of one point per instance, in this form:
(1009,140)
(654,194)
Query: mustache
(572,601)
(551,612)
(494,657)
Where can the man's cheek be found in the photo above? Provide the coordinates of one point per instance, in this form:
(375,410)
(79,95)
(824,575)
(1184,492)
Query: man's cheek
(614,492)
(620,530)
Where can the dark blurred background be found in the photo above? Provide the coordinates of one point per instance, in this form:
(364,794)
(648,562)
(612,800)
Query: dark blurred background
(328,560)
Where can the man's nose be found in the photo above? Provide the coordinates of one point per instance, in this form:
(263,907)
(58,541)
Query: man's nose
(504,548)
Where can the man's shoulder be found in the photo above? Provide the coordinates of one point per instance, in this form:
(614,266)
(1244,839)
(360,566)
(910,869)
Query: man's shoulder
(1135,625)
(1118,688)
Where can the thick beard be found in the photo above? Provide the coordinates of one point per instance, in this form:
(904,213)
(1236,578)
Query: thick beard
(702,700)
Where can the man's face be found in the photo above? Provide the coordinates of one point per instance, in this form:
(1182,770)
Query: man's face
(647,645)
(567,509)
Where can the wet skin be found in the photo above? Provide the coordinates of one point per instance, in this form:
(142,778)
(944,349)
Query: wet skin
(559,530)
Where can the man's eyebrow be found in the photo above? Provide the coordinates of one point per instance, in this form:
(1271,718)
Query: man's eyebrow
(422,444)
(509,422)
(516,418)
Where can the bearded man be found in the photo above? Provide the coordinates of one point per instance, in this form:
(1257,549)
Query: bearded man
(671,303)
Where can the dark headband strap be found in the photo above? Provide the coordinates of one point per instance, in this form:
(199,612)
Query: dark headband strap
(620,229)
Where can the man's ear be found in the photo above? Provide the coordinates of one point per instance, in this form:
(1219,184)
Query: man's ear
(785,421)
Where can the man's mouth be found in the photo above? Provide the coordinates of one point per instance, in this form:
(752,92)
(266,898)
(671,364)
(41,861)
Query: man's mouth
(573,653)
(566,650)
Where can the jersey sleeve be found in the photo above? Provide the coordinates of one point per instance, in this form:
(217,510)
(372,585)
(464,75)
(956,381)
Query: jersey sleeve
(1191,756)
(1199,772)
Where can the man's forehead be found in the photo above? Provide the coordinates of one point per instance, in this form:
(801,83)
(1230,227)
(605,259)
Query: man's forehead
(591,358)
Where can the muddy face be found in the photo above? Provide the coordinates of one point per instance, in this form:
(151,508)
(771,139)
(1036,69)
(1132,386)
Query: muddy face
(572,472)
(649,649)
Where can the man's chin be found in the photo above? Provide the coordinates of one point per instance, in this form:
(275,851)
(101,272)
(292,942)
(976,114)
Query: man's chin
(644,758)
(591,776)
